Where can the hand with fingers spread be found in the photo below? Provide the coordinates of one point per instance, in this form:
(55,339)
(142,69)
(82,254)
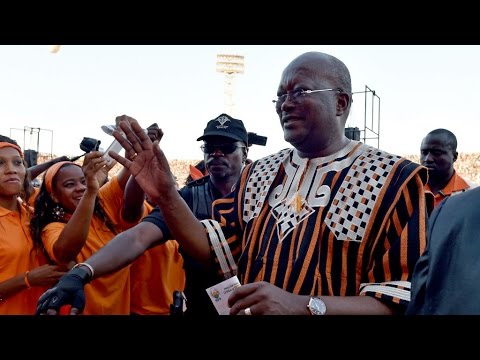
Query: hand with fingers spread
(149,162)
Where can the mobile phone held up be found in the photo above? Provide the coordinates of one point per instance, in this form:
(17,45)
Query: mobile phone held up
(115,147)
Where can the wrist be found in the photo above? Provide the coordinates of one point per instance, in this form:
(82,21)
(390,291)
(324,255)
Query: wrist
(316,306)
(168,198)
(84,271)
(26,281)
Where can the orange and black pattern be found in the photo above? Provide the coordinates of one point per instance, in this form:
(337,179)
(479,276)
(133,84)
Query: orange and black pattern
(347,224)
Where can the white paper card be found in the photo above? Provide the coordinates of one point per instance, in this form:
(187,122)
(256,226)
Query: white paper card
(220,292)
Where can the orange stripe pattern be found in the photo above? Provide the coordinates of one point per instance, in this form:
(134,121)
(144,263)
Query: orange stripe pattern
(352,223)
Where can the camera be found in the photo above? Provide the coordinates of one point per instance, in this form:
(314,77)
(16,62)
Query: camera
(253,138)
(89,144)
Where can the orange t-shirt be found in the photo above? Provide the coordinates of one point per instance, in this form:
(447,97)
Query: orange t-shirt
(456,185)
(154,276)
(17,255)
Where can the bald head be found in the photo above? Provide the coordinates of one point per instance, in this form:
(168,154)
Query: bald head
(325,66)
(447,137)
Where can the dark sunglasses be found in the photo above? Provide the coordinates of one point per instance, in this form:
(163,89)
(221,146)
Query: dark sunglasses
(227,148)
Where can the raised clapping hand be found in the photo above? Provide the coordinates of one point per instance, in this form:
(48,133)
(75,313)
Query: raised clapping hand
(148,163)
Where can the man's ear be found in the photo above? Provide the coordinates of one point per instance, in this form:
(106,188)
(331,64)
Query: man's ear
(245,155)
(343,103)
(455,156)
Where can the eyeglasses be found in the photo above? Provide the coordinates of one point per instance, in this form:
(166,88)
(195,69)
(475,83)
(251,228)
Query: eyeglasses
(298,95)
(226,148)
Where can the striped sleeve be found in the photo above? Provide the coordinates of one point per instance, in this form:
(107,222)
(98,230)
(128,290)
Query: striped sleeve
(403,243)
(221,248)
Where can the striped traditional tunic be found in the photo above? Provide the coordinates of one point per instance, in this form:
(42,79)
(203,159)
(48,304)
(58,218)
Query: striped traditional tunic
(352,223)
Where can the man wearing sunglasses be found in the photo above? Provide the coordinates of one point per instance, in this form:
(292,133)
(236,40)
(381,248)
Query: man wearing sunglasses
(225,149)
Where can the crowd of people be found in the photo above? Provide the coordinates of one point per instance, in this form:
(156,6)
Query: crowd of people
(328,226)
(467,166)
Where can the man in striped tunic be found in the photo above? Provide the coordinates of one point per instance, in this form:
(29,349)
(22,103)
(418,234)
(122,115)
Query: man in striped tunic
(330,226)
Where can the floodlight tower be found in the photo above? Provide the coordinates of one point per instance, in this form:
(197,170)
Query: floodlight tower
(230,65)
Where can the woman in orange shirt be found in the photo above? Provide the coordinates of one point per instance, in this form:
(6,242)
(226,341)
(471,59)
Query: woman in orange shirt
(24,272)
(75,215)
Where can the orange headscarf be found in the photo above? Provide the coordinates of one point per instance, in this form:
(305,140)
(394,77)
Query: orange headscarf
(7,144)
(52,171)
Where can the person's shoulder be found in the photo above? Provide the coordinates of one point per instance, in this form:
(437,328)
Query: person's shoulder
(199,182)
(267,163)
(391,157)
(398,166)
(458,205)
(380,152)
(471,184)
(471,196)
(279,155)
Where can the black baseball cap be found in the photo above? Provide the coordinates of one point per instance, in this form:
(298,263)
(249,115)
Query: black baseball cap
(225,125)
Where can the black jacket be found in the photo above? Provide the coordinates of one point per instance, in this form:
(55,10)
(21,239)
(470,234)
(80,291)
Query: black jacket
(446,279)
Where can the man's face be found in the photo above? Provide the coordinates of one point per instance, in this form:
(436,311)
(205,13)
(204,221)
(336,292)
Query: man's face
(309,122)
(224,157)
(438,156)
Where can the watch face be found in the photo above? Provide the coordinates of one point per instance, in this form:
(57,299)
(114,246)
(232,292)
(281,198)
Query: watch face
(317,306)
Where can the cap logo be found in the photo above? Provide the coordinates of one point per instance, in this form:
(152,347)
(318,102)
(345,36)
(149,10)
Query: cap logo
(222,120)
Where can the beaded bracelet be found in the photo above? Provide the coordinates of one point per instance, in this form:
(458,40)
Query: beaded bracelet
(25,279)
(87,265)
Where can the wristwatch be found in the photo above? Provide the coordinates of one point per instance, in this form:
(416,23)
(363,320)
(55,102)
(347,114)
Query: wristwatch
(317,306)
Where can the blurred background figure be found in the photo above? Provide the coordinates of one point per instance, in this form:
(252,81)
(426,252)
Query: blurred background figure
(438,152)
